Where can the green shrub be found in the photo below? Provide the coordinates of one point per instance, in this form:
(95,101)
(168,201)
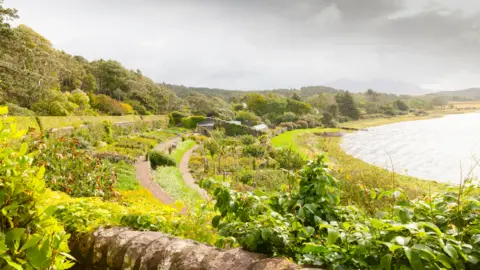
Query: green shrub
(30,238)
(192,121)
(328,120)
(440,231)
(254,150)
(247,118)
(246,176)
(289,159)
(158,158)
(301,124)
(288,125)
(248,139)
(176,117)
(15,110)
(72,170)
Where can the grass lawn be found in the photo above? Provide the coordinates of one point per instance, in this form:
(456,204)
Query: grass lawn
(126,176)
(181,149)
(170,179)
(291,140)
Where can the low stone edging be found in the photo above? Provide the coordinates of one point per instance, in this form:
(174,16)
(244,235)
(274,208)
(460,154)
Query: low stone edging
(122,248)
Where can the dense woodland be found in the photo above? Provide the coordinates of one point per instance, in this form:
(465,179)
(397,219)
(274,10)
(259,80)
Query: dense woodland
(264,195)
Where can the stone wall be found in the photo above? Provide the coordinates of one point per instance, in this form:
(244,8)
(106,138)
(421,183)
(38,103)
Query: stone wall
(121,248)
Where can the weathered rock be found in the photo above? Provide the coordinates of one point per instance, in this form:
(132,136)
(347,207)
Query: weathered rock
(121,248)
(135,247)
(116,252)
(273,264)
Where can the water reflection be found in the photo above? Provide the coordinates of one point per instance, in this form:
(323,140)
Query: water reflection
(429,149)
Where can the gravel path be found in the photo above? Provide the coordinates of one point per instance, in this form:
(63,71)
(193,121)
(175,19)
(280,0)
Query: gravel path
(145,178)
(187,176)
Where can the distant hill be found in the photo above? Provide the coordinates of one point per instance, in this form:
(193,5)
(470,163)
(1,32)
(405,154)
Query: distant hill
(379,85)
(467,94)
(304,92)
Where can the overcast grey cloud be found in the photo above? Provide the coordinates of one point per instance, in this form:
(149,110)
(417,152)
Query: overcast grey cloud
(256,44)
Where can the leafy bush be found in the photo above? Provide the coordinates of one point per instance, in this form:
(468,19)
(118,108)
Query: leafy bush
(248,139)
(440,231)
(158,158)
(72,170)
(111,106)
(246,176)
(176,117)
(289,159)
(254,150)
(247,118)
(30,238)
(328,120)
(288,125)
(15,110)
(287,117)
(302,124)
(192,121)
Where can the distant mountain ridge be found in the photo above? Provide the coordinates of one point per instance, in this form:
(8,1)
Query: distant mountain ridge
(396,88)
(471,93)
(379,85)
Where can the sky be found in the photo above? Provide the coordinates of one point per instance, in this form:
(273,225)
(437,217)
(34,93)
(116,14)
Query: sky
(264,44)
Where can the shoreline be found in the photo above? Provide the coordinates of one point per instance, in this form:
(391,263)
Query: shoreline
(366,125)
(358,173)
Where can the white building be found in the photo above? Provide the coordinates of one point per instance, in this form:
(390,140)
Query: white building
(261,127)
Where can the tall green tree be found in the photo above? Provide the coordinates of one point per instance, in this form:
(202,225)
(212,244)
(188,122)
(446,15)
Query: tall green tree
(347,106)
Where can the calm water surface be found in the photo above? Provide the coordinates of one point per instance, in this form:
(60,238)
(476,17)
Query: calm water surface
(429,149)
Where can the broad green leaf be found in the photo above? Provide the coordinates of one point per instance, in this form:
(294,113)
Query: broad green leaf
(402,241)
(442,258)
(37,257)
(41,172)
(476,239)
(473,259)
(32,241)
(13,237)
(451,251)
(310,230)
(386,262)
(266,234)
(392,247)
(23,149)
(216,221)
(12,263)
(405,215)
(414,259)
(425,250)
(301,213)
(317,220)
(332,236)
(431,226)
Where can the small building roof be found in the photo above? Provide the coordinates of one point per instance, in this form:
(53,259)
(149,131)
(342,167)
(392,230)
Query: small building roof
(207,123)
(260,127)
(235,122)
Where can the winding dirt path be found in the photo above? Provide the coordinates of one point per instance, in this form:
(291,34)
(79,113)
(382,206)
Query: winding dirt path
(145,178)
(187,176)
